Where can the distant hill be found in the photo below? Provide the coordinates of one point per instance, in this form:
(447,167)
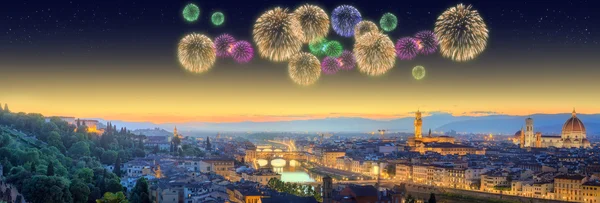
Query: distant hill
(507,124)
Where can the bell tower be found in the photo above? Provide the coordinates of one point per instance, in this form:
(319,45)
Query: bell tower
(418,125)
(529,134)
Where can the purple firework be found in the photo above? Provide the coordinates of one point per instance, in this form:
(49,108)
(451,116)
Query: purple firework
(223,45)
(347,60)
(242,52)
(427,42)
(343,20)
(407,48)
(330,65)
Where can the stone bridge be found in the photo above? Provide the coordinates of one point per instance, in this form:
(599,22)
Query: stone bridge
(299,156)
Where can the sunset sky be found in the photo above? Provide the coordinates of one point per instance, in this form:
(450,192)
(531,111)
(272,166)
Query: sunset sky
(117,61)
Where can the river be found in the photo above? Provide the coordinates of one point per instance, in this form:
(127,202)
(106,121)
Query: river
(290,171)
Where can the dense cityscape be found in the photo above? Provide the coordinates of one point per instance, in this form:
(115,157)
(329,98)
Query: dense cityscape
(67,159)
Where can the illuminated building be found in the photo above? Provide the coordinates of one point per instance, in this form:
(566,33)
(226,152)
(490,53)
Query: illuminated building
(330,156)
(92,125)
(573,135)
(418,139)
(591,192)
(568,187)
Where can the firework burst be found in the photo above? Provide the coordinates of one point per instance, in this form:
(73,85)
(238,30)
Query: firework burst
(304,69)
(347,60)
(388,22)
(242,52)
(217,18)
(364,27)
(314,22)
(278,35)
(343,19)
(196,53)
(427,42)
(375,54)
(317,46)
(407,48)
(223,45)
(418,72)
(461,32)
(333,49)
(330,65)
(191,12)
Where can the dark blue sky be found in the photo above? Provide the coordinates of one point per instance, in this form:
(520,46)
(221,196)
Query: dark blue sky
(102,26)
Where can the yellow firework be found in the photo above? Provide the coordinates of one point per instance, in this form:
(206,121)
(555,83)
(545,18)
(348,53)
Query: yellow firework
(304,68)
(196,53)
(375,53)
(364,27)
(313,20)
(278,35)
(461,32)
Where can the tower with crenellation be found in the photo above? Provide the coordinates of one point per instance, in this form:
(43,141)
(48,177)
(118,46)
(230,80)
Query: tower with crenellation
(418,125)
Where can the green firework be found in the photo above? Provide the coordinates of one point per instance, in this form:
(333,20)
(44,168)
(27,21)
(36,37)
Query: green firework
(191,12)
(388,22)
(333,49)
(217,18)
(317,46)
(418,72)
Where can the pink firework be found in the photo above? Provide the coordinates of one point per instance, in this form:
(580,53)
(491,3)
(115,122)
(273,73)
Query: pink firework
(407,48)
(427,42)
(242,52)
(330,65)
(223,45)
(347,60)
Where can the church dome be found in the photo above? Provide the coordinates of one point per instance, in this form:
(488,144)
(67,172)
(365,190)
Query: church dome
(573,126)
(518,134)
(567,141)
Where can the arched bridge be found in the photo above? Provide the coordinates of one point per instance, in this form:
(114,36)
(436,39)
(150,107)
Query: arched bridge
(283,155)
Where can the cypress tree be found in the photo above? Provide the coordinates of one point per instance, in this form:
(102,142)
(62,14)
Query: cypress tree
(6,108)
(33,169)
(117,169)
(1,107)
(50,171)
(432,198)
(208,147)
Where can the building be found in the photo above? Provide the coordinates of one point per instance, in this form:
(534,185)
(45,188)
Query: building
(591,192)
(446,149)
(330,156)
(495,181)
(357,193)
(403,172)
(261,176)
(573,134)
(418,139)
(219,166)
(568,187)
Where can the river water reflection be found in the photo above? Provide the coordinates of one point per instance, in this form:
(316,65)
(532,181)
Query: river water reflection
(291,171)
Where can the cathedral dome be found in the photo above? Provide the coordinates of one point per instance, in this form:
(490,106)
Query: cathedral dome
(518,134)
(567,141)
(573,126)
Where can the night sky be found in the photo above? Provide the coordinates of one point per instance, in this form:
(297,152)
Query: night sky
(117,60)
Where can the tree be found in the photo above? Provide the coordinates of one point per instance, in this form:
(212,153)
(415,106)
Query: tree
(33,169)
(85,174)
(176,141)
(55,140)
(17,177)
(80,191)
(409,199)
(41,188)
(208,147)
(79,149)
(117,169)
(139,193)
(431,198)
(109,197)
(6,108)
(113,186)
(50,170)
(109,157)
